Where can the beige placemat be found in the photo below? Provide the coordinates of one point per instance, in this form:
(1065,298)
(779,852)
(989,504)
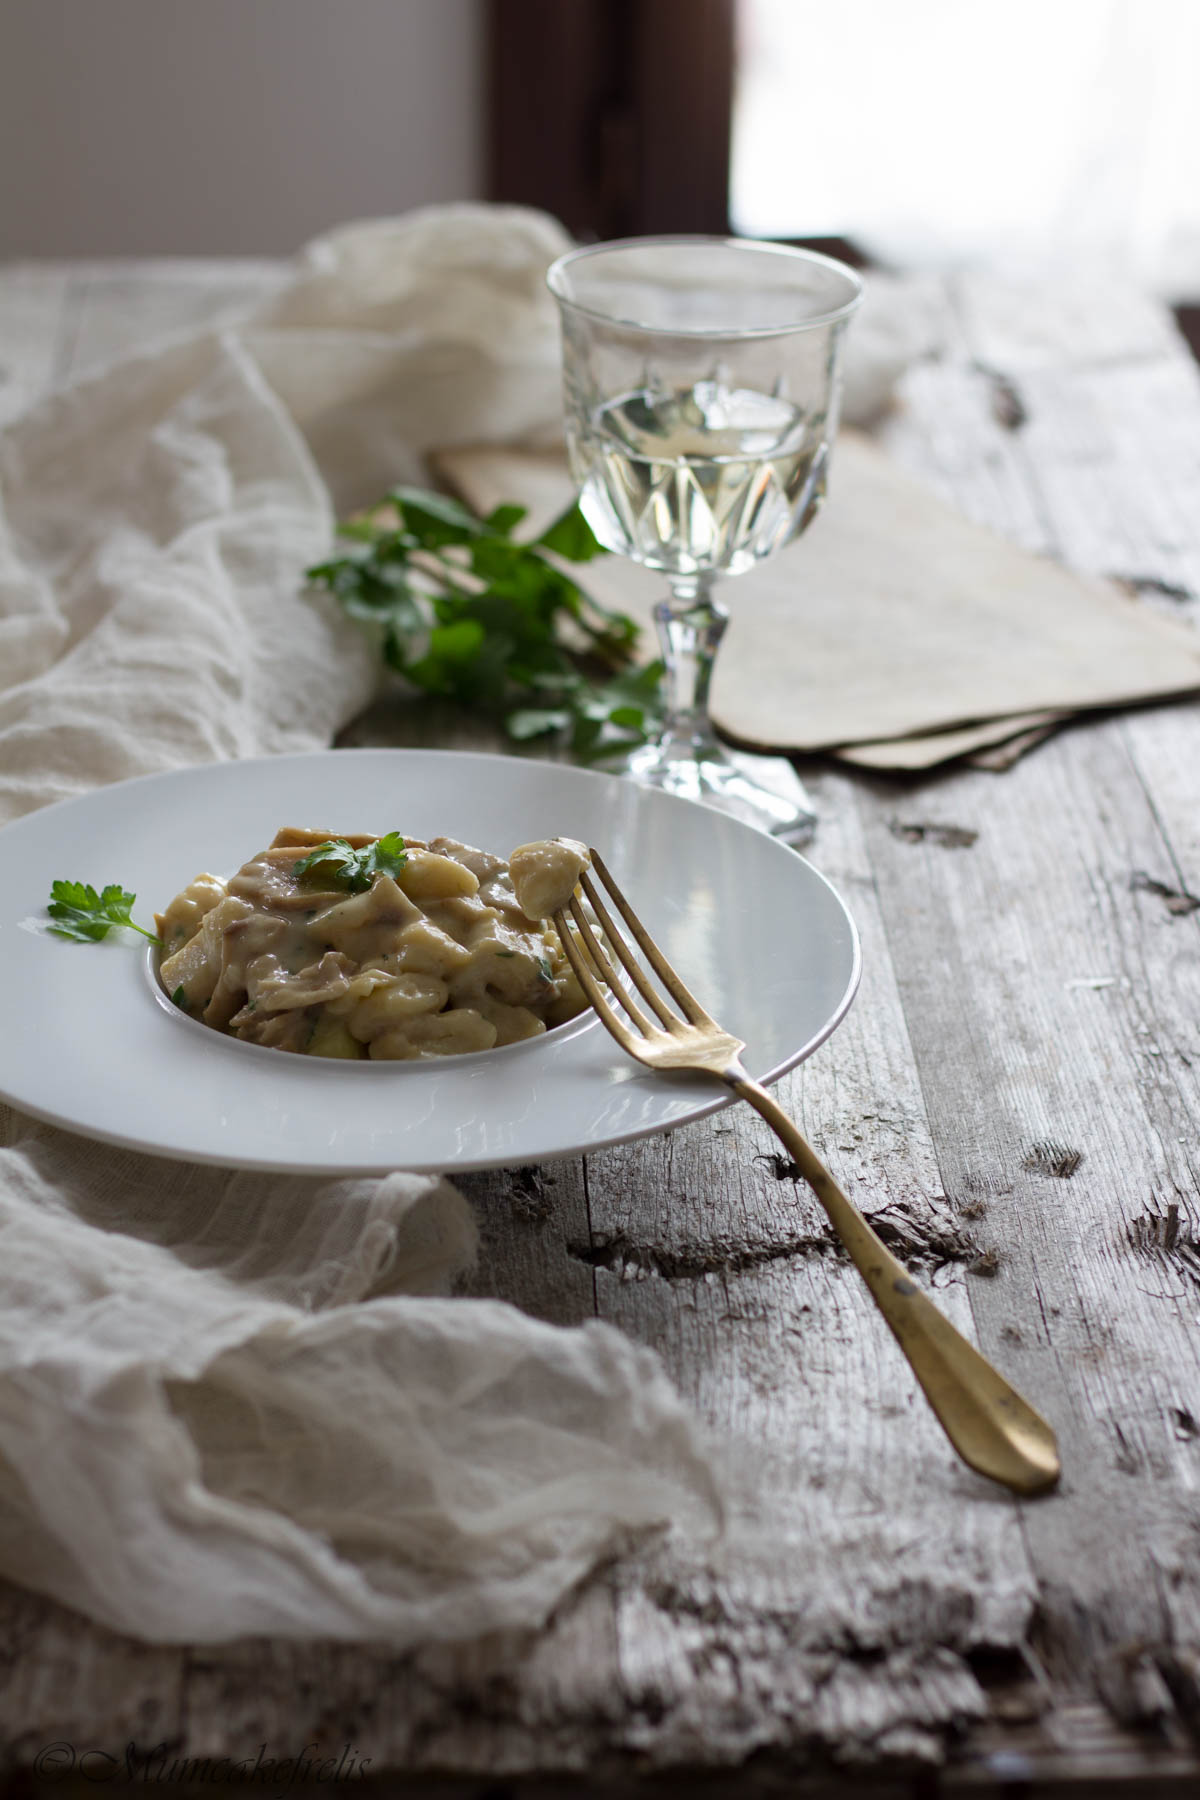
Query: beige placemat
(895,631)
(996,744)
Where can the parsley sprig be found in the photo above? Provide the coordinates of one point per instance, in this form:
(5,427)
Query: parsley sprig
(81,913)
(465,612)
(338,863)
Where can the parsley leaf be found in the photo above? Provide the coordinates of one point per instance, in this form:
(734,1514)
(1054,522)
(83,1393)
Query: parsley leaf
(337,862)
(463,611)
(571,536)
(83,914)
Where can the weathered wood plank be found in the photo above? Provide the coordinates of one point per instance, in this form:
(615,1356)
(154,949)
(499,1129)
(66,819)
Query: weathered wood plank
(1043,901)
(1065,1074)
(732,1273)
(875,1602)
(66,1680)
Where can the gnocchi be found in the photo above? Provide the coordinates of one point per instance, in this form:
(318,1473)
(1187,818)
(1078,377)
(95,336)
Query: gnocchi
(435,956)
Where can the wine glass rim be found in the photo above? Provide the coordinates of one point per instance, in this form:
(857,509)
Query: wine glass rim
(834,315)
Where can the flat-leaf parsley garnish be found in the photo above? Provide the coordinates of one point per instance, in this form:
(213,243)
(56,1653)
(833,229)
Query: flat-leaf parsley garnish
(341,865)
(465,611)
(81,913)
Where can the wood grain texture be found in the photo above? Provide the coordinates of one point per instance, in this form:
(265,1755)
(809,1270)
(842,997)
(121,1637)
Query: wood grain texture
(1014,1101)
(1087,999)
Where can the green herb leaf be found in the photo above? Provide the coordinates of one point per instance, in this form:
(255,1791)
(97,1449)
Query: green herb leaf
(180,999)
(464,611)
(341,865)
(83,914)
(386,856)
(536,721)
(449,661)
(571,536)
(504,519)
(434,519)
(362,529)
(331,859)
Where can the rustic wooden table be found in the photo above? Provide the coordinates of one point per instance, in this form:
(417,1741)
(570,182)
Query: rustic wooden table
(1014,1098)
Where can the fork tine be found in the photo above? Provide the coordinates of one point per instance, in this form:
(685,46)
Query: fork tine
(591,987)
(691,1007)
(628,961)
(600,957)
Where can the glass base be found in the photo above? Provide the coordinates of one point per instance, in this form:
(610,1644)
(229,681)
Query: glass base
(707,774)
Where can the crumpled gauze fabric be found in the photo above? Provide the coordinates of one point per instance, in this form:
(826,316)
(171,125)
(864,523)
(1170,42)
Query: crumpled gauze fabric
(230,1403)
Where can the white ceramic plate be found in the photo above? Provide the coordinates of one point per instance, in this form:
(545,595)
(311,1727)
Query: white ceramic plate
(90,1042)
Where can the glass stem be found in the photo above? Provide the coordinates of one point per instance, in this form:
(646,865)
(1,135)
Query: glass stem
(690,626)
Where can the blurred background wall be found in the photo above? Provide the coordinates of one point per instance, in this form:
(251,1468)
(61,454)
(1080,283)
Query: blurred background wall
(916,133)
(207,127)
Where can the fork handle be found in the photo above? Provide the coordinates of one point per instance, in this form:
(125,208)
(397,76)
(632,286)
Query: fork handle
(992,1427)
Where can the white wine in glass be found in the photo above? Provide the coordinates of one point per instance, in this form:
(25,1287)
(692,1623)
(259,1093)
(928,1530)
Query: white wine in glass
(701,388)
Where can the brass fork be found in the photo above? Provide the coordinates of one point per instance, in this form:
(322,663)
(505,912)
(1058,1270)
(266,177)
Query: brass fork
(992,1427)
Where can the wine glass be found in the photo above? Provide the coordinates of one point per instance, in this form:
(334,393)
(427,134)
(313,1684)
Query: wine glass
(701,384)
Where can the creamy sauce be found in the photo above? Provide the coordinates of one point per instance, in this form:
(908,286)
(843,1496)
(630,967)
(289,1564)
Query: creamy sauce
(442,958)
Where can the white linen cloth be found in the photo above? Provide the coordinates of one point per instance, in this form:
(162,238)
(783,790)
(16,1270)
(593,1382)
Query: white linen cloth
(233,1404)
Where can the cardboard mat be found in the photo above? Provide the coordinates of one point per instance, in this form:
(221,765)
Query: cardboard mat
(895,632)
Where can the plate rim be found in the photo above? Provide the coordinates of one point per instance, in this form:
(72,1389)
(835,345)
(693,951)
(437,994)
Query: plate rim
(722,1097)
